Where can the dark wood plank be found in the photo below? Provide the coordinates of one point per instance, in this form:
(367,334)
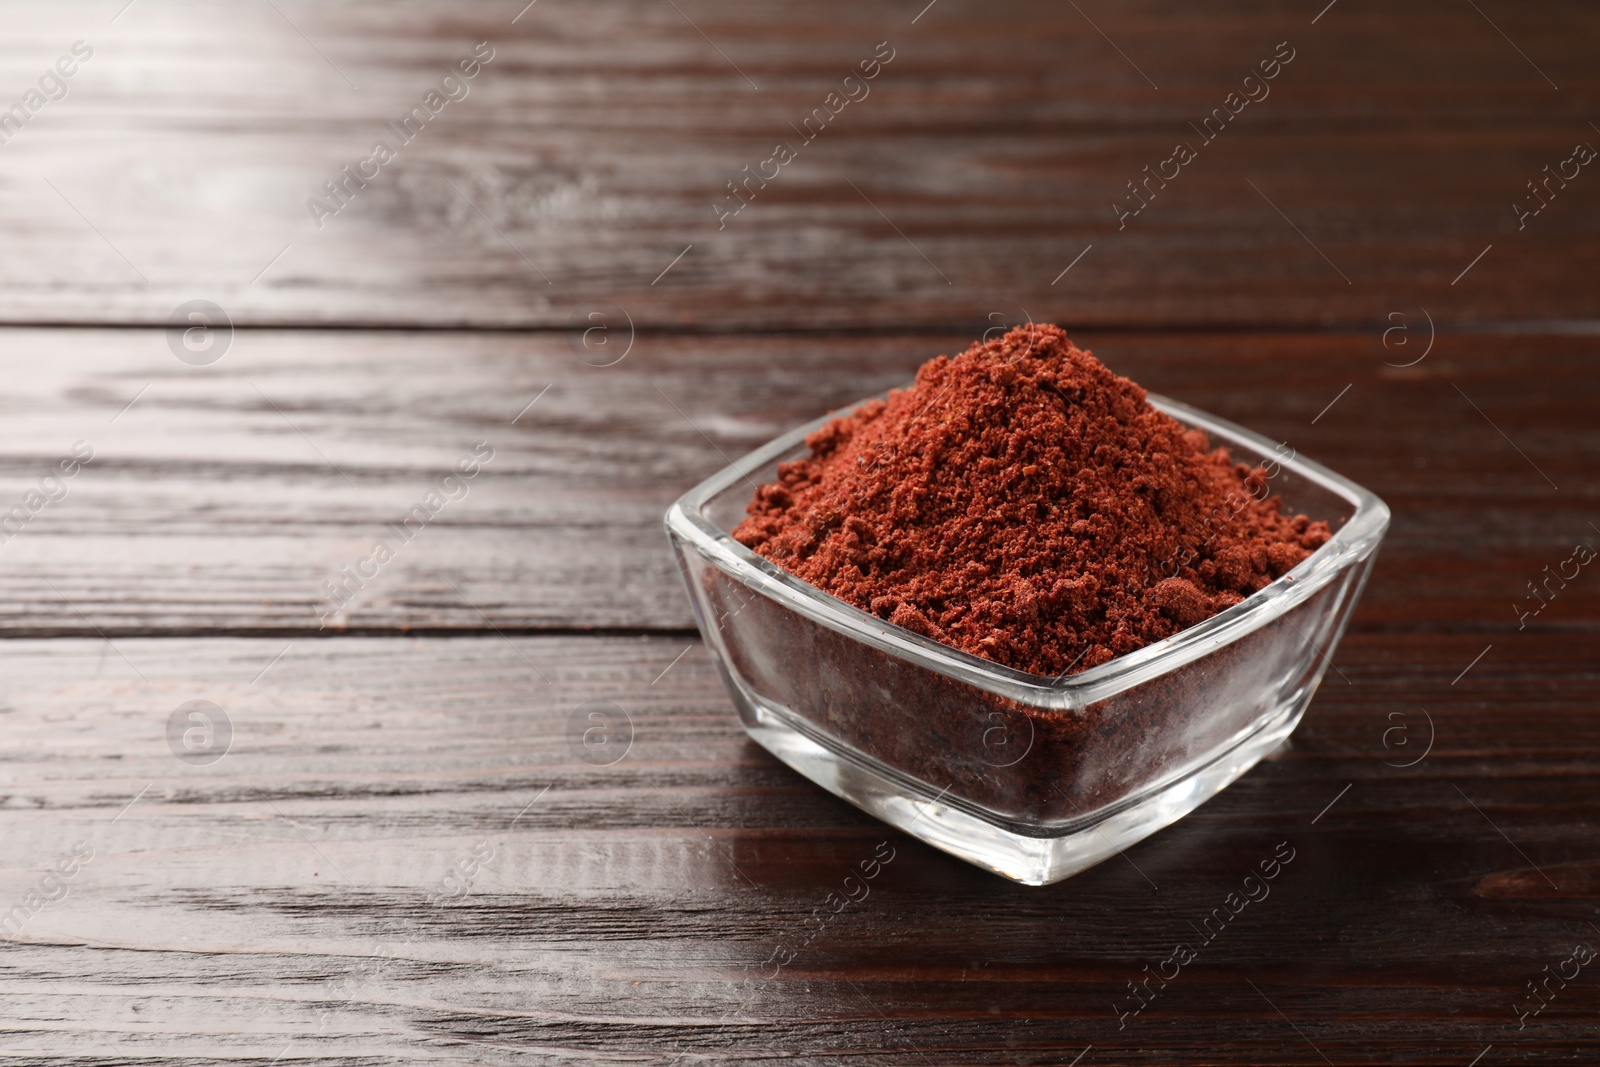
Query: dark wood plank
(987,157)
(284,904)
(227,495)
(277,901)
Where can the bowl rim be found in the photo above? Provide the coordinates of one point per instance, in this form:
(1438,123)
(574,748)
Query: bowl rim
(1355,540)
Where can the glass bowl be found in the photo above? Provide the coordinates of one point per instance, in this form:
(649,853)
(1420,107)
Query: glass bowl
(1032,777)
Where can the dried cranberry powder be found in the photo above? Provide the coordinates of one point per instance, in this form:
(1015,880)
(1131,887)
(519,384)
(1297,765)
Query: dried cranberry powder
(1023,503)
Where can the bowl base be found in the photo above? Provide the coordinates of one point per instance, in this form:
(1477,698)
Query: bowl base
(1032,859)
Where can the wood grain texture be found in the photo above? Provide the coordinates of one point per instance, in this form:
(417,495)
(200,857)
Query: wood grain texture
(986,157)
(278,900)
(227,495)
(293,902)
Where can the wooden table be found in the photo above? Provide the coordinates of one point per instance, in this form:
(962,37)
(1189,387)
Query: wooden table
(384,849)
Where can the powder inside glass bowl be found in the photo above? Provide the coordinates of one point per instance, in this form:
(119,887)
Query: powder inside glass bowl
(1023,503)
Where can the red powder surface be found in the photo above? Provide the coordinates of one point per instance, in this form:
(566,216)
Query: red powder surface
(1023,503)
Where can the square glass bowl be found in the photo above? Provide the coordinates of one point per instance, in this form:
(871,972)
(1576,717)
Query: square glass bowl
(1030,776)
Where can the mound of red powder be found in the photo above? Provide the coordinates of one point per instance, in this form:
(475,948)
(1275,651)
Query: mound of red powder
(1023,503)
